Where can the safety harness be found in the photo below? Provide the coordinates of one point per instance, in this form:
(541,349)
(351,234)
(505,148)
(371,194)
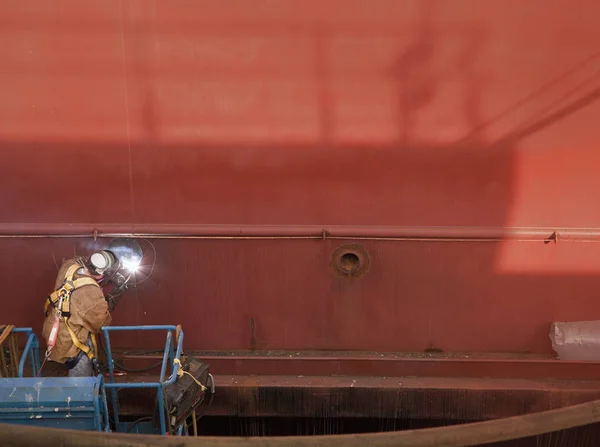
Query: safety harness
(61,300)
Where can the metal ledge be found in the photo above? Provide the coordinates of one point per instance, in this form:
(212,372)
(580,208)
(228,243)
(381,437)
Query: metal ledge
(386,365)
(381,397)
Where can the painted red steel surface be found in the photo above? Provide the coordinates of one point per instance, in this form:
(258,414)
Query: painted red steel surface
(341,112)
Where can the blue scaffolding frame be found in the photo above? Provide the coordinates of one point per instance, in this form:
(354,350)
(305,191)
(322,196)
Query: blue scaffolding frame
(169,358)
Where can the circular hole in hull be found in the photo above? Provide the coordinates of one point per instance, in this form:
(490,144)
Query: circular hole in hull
(350,261)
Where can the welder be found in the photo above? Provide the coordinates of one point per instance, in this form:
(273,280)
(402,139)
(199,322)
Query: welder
(78,308)
(75,314)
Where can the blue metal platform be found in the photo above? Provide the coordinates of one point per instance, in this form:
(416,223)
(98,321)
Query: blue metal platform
(80,403)
(60,402)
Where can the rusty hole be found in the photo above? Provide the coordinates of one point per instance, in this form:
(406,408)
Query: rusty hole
(350,260)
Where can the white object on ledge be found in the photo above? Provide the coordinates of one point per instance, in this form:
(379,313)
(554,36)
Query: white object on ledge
(578,340)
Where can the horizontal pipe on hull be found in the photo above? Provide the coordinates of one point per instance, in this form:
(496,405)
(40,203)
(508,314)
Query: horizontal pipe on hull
(182,231)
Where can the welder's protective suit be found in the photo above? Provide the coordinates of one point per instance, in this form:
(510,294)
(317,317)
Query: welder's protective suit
(88,314)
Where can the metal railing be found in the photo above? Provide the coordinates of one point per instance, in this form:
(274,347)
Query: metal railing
(169,358)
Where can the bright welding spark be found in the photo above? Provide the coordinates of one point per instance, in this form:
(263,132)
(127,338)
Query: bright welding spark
(131,265)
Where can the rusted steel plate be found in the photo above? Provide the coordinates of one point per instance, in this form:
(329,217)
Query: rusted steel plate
(379,397)
(415,296)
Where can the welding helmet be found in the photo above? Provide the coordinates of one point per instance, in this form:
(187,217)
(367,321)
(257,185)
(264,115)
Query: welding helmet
(101,261)
(122,256)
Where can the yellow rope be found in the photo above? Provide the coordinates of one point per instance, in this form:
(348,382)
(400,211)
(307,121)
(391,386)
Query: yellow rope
(181,372)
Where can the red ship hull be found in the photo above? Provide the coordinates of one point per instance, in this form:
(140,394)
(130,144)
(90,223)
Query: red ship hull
(451,146)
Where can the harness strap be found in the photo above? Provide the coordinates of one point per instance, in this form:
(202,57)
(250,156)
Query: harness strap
(86,349)
(64,293)
(64,289)
(67,287)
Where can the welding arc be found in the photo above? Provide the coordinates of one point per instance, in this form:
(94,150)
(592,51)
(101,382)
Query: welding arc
(135,282)
(497,430)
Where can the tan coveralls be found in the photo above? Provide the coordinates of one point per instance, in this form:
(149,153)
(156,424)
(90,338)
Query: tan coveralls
(89,313)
